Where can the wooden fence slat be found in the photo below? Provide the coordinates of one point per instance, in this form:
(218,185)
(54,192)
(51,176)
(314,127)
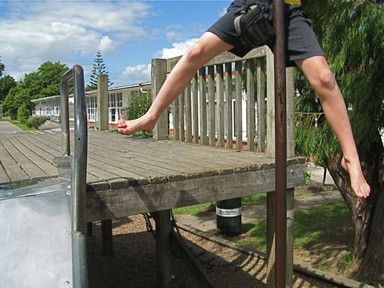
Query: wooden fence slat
(181,125)
(260,63)
(211,105)
(176,119)
(203,106)
(188,114)
(195,110)
(239,106)
(220,104)
(251,105)
(228,104)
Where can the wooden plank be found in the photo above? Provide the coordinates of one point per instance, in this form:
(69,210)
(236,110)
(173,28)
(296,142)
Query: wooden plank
(3,175)
(195,110)
(211,106)
(158,76)
(38,158)
(251,127)
(181,124)
(176,118)
(290,112)
(239,106)
(270,85)
(188,114)
(203,106)
(109,204)
(163,249)
(260,64)
(220,104)
(11,160)
(228,96)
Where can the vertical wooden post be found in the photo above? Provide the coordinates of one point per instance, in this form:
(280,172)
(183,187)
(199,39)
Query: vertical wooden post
(203,106)
(220,104)
(102,102)
(211,106)
(290,111)
(239,106)
(106,234)
(163,249)
(290,91)
(251,104)
(228,93)
(195,110)
(260,105)
(159,75)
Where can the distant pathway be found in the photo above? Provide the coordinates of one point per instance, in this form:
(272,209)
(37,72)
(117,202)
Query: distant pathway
(8,128)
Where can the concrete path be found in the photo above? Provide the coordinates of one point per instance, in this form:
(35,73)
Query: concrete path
(8,128)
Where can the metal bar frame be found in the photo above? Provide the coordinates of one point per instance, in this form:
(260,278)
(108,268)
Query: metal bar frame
(79,167)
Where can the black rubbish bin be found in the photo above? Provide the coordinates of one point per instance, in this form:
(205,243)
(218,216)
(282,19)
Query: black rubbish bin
(228,216)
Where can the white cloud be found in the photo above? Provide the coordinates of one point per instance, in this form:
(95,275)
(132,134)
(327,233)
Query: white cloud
(142,73)
(178,48)
(35,32)
(136,74)
(106,44)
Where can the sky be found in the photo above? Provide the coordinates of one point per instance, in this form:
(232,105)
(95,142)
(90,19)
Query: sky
(127,33)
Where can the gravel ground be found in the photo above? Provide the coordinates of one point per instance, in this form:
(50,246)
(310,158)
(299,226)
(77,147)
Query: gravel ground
(133,263)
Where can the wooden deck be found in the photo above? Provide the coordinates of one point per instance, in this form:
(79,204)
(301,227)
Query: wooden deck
(128,176)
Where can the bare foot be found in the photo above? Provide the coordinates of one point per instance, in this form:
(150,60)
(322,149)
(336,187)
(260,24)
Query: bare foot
(358,183)
(128,127)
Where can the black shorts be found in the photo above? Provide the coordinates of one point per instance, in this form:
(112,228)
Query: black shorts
(301,41)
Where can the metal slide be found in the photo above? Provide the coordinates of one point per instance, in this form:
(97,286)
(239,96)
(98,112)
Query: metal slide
(42,226)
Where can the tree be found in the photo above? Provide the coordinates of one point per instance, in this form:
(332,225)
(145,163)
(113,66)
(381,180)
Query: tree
(98,69)
(353,39)
(2,68)
(6,84)
(43,83)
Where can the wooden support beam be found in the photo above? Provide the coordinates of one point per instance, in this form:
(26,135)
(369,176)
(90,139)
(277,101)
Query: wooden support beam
(106,235)
(163,249)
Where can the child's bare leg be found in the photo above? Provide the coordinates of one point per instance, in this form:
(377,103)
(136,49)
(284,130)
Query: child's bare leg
(322,80)
(207,47)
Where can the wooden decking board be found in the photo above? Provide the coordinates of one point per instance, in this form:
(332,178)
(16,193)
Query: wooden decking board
(3,175)
(115,168)
(36,155)
(108,204)
(116,161)
(148,159)
(10,164)
(50,145)
(129,175)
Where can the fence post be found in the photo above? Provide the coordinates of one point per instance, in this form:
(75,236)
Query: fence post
(159,75)
(102,102)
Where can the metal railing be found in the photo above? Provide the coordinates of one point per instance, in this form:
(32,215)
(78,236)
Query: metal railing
(78,167)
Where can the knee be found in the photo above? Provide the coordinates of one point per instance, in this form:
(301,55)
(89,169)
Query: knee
(196,55)
(324,80)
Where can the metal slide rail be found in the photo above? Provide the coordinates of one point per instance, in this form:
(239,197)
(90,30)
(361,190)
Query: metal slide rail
(78,167)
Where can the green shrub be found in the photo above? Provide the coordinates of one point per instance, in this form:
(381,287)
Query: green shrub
(23,113)
(36,122)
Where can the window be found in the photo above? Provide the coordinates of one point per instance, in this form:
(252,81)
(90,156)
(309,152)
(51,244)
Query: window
(92,108)
(115,103)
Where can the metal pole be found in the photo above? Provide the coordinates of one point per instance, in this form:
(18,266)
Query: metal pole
(280,144)
(79,166)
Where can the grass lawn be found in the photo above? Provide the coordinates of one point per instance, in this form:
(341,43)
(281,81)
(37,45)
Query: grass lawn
(21,126)
(323,235)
